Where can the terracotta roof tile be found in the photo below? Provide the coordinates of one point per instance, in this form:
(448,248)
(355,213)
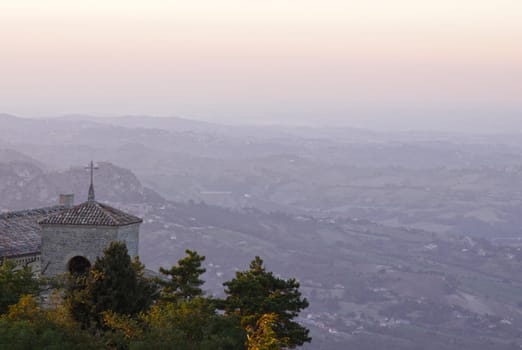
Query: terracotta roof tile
(20,233)
(91,213)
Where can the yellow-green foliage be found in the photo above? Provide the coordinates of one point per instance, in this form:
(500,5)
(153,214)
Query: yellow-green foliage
(27,309)
(258,312)
(15,282)
(262,336)
(27,326)
(125,324)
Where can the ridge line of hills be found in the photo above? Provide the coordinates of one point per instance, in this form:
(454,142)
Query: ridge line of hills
(397,244)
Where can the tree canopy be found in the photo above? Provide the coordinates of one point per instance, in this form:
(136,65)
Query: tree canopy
(114,306)
(114,283)
(183,280)
(265,301)
(14,283)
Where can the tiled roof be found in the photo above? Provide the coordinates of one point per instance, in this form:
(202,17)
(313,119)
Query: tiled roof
(20,233)
(91,213)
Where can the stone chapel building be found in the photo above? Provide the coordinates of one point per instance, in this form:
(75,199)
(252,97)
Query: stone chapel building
(66,237)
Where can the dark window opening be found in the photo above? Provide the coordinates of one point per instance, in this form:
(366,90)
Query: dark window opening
(79,265)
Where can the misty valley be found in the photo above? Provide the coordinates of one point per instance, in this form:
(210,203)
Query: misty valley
(400,240)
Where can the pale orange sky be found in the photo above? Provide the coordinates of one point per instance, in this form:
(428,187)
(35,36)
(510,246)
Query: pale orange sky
(339,62)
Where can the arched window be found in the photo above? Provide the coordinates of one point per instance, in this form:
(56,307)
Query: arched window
(78,265)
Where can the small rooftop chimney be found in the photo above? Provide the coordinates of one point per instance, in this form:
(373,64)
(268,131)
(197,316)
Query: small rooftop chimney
(67,200)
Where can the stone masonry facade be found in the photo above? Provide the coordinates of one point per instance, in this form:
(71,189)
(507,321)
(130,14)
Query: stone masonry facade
(61,243)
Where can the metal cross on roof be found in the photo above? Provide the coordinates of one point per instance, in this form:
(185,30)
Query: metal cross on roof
(91,167)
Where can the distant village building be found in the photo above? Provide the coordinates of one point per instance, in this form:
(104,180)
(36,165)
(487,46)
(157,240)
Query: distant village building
(66,237)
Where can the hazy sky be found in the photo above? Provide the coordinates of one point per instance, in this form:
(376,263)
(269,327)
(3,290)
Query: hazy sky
(413,63)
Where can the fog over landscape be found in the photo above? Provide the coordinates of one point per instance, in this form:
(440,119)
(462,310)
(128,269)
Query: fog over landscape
(370,149)
(401,240)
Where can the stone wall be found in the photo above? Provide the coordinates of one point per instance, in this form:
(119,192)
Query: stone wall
(131,235)
(60,243)
(31,260)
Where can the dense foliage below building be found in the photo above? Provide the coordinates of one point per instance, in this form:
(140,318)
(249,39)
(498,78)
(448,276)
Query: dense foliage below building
(114,306)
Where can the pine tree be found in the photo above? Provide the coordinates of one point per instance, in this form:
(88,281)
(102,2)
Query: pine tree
(114,283)
(183,280)
(256,293)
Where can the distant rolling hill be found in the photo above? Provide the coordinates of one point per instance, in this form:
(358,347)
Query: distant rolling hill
(443,182)
(370,286)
